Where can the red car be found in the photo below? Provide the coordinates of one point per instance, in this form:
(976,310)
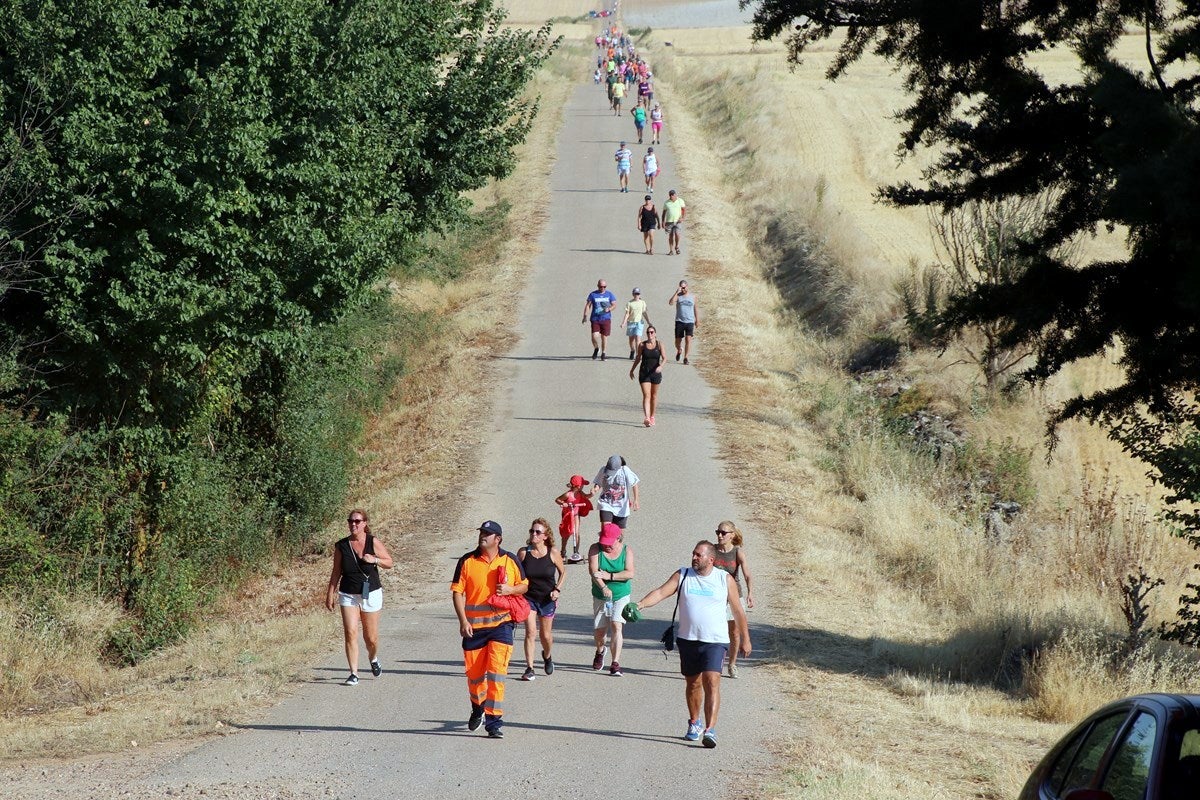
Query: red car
(1145,747)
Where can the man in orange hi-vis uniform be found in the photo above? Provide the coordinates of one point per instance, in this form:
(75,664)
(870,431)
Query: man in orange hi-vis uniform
(487,631)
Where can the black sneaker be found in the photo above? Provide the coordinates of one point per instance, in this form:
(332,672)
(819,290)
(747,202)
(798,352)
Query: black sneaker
(678,353)
(548,664)
(631,355)
(351,681)
(528,675)
(496,733)
(476,719)
(604,356)
(376,668)
(595,352)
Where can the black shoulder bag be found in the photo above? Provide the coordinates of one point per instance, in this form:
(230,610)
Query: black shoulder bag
(668,637)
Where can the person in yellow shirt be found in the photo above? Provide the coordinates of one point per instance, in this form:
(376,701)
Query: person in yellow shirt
(487,631)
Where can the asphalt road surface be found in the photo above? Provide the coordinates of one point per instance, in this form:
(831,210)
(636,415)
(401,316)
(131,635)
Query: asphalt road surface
(577,733)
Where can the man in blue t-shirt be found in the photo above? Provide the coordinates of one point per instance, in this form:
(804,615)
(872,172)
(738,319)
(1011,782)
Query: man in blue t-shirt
(598,311)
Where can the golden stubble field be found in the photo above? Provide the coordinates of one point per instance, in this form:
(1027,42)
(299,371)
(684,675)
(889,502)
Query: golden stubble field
(897,620)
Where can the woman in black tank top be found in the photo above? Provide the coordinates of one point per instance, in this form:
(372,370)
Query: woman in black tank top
(543,566)
(355,586)
(649,364)
(647,221)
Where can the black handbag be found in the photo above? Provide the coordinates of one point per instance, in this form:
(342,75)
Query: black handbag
(668,637)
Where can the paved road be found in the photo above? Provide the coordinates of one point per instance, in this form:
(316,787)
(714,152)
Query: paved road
(576,733)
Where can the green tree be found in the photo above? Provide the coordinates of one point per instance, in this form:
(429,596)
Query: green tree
(1119,147)
(198,202)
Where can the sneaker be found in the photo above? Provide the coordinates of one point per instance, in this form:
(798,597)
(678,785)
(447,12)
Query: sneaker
(548,664)
(498,733)
(376,668)
(351,681)
(733,670)
(596,352)
(693,731)
(709,739)
(598,661)
(528,675)
(685,361)
(476,719)
(604,356)
(678,353)
(615,670)
(652,422)
(631,355)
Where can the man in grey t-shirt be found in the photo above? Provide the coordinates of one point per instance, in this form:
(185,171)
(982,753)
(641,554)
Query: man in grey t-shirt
(687,319)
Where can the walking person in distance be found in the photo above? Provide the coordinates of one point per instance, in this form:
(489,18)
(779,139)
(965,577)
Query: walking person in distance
(357,589)
(610,563)
(545,570)
(487,631)
(597,309)
(649,364)
(623,157)
(704,592)
(617,486)
(673,212)
(647,221)
(687,319)
(731,558)
(635,320)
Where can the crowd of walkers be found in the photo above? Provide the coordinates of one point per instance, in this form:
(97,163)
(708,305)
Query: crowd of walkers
(494,590)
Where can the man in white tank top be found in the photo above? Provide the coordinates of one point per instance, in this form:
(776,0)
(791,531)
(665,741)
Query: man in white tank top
(703,639)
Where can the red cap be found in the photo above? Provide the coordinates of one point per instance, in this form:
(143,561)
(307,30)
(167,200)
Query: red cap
(577,481)
(609,534)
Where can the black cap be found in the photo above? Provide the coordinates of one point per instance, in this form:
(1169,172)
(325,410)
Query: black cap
(491,527)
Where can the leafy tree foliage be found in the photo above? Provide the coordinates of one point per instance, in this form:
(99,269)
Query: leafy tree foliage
(197,200)
(1120,149)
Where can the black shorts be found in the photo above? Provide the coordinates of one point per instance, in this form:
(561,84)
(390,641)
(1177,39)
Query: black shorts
(696,657)
(652,377)
(608,516)
(683,329)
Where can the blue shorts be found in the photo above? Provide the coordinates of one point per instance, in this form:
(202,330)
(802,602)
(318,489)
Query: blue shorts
(635,328)
(545,609)
(696,657)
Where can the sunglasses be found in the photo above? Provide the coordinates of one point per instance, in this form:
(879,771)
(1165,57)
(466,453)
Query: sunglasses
(720,532)
(352,521)
(537,530)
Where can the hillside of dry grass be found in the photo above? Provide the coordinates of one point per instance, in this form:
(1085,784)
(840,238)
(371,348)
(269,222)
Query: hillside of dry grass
(901,612)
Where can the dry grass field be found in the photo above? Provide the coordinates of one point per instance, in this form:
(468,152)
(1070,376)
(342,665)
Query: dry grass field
(925,658)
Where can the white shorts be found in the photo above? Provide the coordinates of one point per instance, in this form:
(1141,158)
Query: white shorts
(729,609)
(600,619)
(372,602)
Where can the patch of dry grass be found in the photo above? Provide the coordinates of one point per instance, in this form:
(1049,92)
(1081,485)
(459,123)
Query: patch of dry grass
(893,607)
(61,698)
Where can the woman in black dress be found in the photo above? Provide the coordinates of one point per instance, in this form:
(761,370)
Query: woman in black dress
(647,221)
(649,365)
(543,566)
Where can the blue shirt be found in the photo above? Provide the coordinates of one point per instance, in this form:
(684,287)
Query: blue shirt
(602,303)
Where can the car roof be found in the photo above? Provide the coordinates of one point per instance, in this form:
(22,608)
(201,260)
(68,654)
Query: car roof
(1188,704)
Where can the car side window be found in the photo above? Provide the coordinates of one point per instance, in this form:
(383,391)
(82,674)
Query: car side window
(1181,776)
(1129,770)
(1079,770)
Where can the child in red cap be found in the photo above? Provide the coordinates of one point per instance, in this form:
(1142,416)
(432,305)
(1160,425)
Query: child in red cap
(575,503)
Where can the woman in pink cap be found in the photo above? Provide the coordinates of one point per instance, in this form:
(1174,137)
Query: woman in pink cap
(610,563)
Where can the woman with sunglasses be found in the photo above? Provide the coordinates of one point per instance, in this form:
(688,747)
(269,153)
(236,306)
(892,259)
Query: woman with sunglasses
(732,558)
(356,587)
(649,363)
(544,568)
